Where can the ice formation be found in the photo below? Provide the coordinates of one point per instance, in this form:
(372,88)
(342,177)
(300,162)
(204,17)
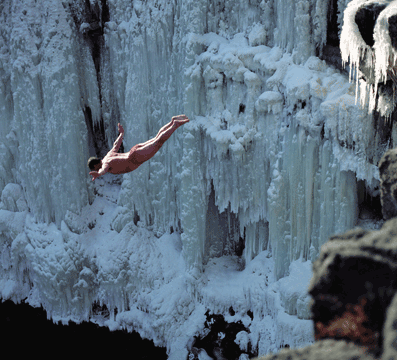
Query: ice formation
(372,57)
(272,162)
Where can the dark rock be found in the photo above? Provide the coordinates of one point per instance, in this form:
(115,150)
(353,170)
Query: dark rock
(219,340)
(393,30)
(366,18)
(388,177)
(353,284)
(390,332)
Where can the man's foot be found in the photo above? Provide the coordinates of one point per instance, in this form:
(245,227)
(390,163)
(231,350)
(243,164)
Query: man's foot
(180,120)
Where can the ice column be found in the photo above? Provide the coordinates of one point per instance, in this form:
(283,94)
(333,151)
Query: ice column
(46,69)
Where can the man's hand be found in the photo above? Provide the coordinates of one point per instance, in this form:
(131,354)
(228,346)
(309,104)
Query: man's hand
(121,130)
(94,175)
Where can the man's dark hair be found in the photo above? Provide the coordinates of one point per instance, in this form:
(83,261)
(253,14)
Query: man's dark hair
(92,161)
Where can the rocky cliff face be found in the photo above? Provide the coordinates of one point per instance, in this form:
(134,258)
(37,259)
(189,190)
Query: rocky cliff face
(353,288)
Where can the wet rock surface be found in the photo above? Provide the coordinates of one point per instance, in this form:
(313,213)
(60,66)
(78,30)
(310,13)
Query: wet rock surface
(354,287)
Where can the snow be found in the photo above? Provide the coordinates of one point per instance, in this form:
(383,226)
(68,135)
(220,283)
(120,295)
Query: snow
(270,101)
(270,159)
(145,278)
(12,198)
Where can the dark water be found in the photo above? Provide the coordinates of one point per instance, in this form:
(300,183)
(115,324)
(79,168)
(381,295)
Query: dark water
(26,331)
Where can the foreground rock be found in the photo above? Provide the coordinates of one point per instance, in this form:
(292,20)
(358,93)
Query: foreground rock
(325,349)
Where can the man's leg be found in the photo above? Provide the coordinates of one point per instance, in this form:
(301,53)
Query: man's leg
(164,128)
(147,150)
(167,127)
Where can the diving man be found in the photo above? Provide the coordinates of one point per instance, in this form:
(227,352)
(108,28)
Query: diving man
(116,163)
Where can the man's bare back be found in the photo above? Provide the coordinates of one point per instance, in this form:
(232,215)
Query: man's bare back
(116,163)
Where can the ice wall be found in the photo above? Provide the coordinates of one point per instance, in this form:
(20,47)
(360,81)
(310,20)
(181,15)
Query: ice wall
(282,138)
(226,65)
(269,161)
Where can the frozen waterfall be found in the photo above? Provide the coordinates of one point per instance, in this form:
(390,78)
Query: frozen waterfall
(279,155)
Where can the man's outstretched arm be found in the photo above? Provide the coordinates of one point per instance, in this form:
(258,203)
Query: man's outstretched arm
(116,146)
(119,140)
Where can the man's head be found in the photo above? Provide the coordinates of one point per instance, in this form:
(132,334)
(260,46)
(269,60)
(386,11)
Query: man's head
(94,163)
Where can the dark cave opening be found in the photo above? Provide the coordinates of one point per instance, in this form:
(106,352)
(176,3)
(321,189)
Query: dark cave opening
(332,24)
(369,204)
(29,326)
(330,52)
(222,231)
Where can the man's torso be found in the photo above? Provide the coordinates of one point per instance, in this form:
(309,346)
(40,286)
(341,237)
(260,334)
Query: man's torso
(119,163)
